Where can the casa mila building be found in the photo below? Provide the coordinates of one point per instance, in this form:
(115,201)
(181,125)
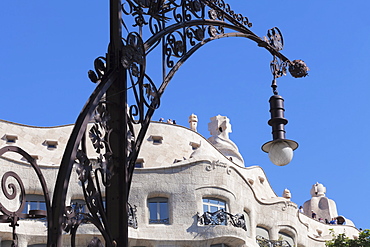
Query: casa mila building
(187,190)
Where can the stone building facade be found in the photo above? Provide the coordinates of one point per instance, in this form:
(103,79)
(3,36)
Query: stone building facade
(187,191)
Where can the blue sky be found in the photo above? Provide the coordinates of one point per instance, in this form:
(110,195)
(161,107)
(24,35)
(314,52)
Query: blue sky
(47,47)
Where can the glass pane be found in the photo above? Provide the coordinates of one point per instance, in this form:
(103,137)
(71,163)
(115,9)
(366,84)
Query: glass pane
(260,231)
(214,201)
(205,200)
(163,210)
(153,210)
(213,209)
(42,206)
(25,209)
(287,238)
(33,205)
(205,208)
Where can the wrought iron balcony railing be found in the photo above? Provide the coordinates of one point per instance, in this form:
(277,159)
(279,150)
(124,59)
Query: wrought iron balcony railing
(76,216)
(132,220)
(221,217)
(159,221)
(261,241)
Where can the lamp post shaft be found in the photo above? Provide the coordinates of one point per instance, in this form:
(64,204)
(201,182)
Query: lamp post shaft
(116,96)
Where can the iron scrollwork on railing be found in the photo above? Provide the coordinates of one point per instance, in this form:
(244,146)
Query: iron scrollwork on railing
(221,217)
(263,242)
(75,216)
(159,221)
(132,219)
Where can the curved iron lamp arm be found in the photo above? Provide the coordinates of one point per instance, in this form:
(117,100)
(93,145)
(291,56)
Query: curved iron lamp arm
(179,27)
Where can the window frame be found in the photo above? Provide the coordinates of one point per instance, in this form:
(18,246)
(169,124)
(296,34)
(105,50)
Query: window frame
(10,139)
(285,236)
(160,219)
(157,139)
(263,231)
(210,204)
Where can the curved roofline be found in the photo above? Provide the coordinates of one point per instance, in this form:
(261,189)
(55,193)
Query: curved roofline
(202,137)
(33,126)
(243,167)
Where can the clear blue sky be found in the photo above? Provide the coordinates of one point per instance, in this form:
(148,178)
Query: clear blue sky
(47,47)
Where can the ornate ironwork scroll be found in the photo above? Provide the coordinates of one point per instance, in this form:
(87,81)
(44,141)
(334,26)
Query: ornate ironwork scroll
(262,242)
(278,65)
(9,189)
(177,28)
(221,217)
(181,27)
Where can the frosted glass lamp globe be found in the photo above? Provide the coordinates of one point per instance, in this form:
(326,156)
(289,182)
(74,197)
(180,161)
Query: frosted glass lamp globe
(280,153)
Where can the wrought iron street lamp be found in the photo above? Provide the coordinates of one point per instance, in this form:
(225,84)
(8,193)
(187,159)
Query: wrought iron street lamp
(280,150)
(178,28)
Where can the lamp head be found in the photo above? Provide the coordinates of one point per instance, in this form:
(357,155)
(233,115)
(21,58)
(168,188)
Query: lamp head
(280,151)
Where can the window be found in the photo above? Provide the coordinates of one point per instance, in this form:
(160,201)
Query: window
(212,205)
(6,243)
(286,237)
(34,202)
(51,144)
(157,139)
(262,232)
(10,138)
(158,210)
(139,163)
(247,222)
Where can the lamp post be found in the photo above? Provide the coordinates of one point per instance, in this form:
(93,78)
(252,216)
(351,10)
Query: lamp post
(179,28)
